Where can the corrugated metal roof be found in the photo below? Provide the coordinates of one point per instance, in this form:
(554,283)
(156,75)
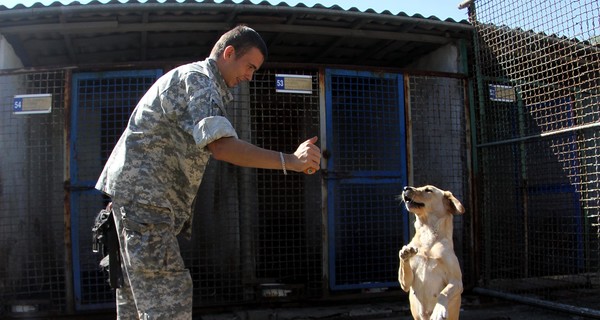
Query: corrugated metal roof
(150,31)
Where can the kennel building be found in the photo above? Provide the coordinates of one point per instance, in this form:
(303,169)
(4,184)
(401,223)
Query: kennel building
(376,88)
(502,110)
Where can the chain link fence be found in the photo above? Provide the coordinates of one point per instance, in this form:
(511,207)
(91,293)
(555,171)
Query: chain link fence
(537,139)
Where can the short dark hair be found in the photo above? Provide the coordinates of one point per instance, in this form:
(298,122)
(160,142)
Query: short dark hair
(242,38)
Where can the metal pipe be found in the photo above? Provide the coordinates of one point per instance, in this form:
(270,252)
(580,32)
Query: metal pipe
(68,243)
(541,135)
(465,4)
(325,292)
(582,311)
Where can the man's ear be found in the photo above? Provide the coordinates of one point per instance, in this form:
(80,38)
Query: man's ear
(229,53)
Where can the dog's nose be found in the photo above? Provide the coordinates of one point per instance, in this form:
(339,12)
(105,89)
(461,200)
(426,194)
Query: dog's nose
(407,188)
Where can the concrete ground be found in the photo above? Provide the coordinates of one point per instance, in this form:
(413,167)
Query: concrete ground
(474,307)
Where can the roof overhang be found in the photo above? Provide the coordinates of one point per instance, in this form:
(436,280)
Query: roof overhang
(134,32)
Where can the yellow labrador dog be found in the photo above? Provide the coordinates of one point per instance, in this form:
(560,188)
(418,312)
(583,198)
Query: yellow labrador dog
(429,267)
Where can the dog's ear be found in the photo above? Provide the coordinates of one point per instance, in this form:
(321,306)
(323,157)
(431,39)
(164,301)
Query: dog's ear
(454,206)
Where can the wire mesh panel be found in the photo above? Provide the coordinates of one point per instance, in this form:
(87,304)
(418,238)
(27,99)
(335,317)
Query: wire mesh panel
(102,105)
(32,243)
(288,233)
(537,70)
(366,171)
(440,149)
(254,228)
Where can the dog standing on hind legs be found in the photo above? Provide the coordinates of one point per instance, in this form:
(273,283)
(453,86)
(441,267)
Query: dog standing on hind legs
(429,269)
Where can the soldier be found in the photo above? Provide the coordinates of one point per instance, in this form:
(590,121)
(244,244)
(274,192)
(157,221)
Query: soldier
(156,167)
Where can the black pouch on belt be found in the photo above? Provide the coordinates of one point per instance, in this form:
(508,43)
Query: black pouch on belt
(106,242)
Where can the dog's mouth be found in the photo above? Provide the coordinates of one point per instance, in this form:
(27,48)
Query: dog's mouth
(411,203)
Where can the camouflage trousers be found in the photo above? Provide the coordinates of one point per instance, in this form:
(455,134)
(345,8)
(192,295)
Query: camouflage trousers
(156,284)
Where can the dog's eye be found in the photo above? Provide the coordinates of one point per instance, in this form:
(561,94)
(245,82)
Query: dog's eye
(429,190)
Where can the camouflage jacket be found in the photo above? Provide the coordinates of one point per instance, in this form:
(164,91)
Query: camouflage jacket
(161,156)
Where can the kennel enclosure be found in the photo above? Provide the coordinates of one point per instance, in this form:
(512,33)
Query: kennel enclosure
(519,129)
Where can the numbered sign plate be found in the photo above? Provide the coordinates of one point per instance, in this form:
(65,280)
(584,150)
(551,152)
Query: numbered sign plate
(32,103)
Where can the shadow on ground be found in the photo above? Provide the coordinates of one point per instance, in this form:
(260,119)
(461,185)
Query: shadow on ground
(473,308)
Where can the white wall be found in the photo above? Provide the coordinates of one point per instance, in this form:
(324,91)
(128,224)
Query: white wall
(8,58)
(14,195)
(444,59)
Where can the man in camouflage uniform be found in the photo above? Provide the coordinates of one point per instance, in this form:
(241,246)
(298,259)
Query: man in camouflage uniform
(156,167)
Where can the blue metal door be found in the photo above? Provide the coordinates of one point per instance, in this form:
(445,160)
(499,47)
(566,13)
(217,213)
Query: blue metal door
(366,171)
(101,106)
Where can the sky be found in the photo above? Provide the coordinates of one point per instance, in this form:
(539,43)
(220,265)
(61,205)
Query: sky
(442,9)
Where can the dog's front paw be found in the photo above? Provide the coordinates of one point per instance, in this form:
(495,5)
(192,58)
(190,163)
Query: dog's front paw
(439,312)
(408,252)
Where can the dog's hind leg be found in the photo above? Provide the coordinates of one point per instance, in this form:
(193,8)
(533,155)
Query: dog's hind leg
(448,305)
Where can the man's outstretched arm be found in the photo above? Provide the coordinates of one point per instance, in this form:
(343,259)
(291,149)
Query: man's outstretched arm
(244,154)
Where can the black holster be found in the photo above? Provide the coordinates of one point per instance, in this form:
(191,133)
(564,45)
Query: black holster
(106,242)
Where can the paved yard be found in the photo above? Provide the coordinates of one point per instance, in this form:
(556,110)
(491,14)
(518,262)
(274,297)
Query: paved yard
(473,308)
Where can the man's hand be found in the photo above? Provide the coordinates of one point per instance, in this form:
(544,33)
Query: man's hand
(308,156)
